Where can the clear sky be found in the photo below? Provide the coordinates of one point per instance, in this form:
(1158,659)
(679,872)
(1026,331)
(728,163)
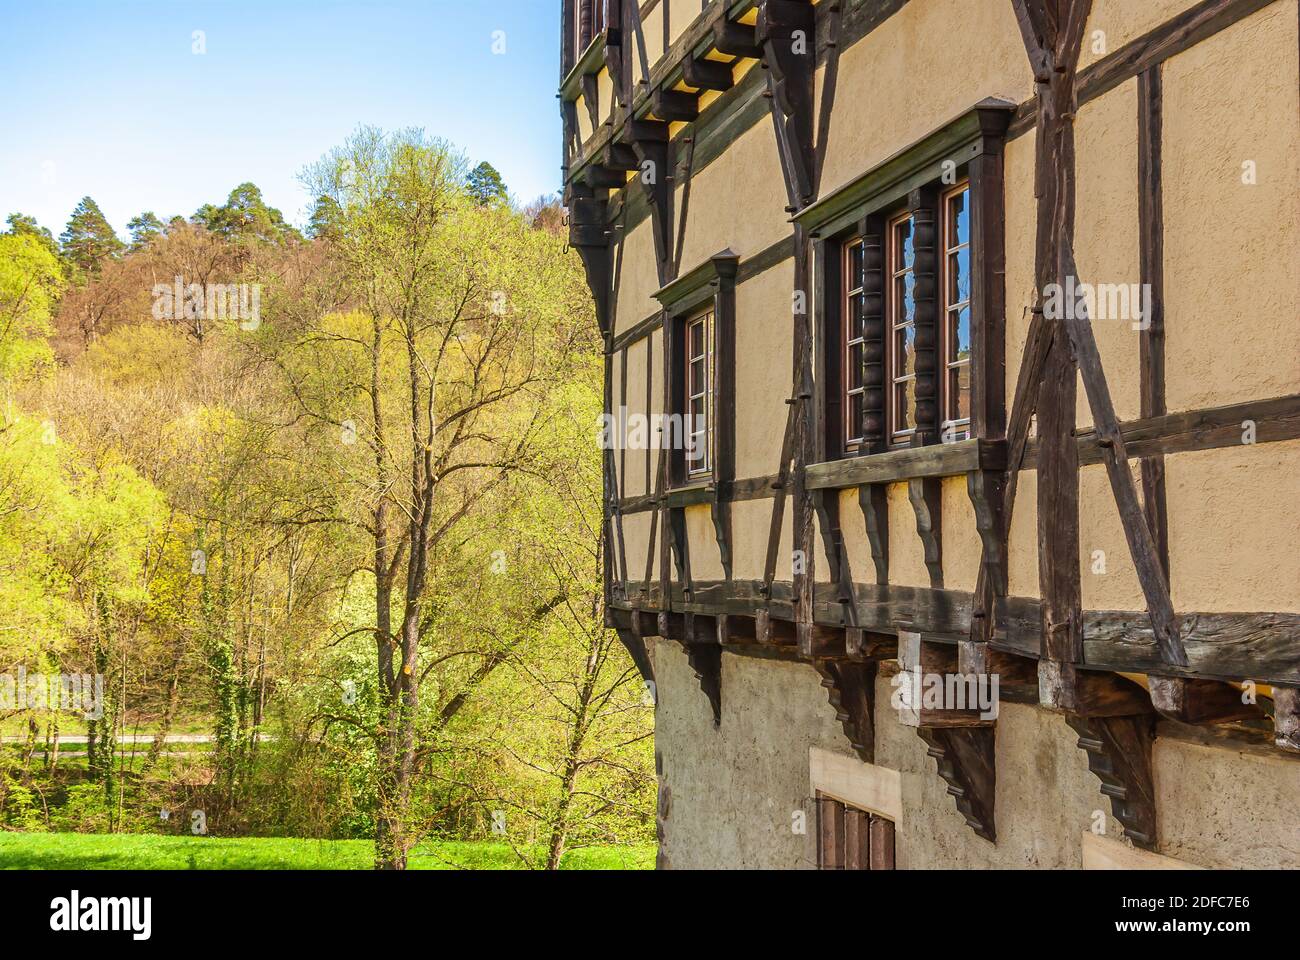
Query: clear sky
(108,97)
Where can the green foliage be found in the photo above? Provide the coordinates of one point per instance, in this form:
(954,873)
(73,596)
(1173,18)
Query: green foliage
(145,228)
(89,240)
(485,185)
(51,851)
(30,279)
(245,217)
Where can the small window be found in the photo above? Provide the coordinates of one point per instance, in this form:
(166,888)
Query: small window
(849,838)
(698,409)
(854,344)
(901,310)
(956,336)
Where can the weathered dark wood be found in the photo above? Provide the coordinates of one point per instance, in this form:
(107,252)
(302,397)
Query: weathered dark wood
(966,761)
(923,661)
(923,203)
(1151,347)
(1141,544)
(1199,701)
(830,833)
(790,68)
(926,498)
(1119,755)
(882,843)
(1286,718)
(850,688)
(873,499)
(1220,646)
(1273,419)
(636,649)
(857,839)
(907,463)
(1087,693)
(817,641)
(676,105)
(706,74)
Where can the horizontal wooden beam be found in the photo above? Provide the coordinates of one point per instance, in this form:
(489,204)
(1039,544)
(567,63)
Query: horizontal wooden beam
(909,463)
(1257,646)
(1209,428)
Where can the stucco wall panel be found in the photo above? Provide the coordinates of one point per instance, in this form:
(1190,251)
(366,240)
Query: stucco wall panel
(923,66)
(1234,528)
(1232,250)
(1113,23)
(1107,577)
(962,549)
(737,201)
(1106,238)
(638,278)
(764,332)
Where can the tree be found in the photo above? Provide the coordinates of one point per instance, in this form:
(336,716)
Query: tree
(435,383)
(246,217)
(22,225)
(485,185)
(324,221)
(145,228)
(89,240)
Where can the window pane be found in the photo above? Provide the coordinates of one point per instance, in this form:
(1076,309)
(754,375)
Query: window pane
(959,342)
(904,397)
(959,276)
(904,254)
(855,316)
(697,340)
(855,417)
(904,298)
(904,351)
(959,392)
(855,366)
(697,375)
(959,218)
(855,266)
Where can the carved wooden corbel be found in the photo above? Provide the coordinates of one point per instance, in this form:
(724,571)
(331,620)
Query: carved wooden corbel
(851,689)
(966,761)
(1119,754)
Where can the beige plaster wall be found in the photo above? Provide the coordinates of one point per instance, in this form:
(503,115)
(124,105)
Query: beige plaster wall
(764,334)
(638,278)
(1113,23)
(729,793)
(737,201)
(1232,250)
(965,51)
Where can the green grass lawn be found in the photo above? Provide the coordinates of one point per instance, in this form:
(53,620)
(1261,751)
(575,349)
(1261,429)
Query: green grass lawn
(89,851)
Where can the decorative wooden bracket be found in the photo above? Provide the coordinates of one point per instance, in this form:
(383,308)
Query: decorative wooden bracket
(926,498)
(698,636)
(649,142)
(873,500)
(1119,754)
(589,235)
(636,648)
(851,689)
(966,762)
(786,30)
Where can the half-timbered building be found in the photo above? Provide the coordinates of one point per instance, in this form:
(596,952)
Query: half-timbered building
(952,368)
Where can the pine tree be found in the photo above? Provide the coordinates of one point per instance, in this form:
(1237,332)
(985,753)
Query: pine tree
(89,239)
(485,185)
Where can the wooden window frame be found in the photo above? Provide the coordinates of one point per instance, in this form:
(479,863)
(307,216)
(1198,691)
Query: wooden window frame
(701,467)
(898,435)
(964,154)
(852,286)
(947,307)
(852,838)
(708,290)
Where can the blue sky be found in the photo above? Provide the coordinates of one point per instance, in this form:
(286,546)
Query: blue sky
(107,97)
